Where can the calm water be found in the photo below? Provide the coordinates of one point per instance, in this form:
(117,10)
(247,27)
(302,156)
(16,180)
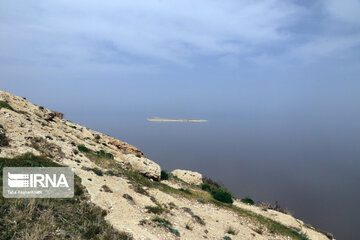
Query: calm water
(296,142)
(313,170)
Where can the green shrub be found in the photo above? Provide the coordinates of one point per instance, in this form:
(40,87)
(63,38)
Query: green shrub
(104,154)
(222,195)
(5,105)
(164,175)
(92,232)
(187,191)
(155,210)
(82,148)
(161,221)
(166,224)
(110,173)
(139,189)
(101,152)
(174,231)
(206,187)
(248,200)
(4,141)
(97,171)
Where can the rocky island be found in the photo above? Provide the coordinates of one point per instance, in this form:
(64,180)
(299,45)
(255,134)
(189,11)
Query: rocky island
(157,119)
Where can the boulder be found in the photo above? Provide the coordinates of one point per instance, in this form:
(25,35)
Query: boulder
(59,114)
(144,166)
(125,148)
(49,116)
(188,176)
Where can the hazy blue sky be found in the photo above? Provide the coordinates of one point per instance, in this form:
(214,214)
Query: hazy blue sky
(182,55)
(199,41)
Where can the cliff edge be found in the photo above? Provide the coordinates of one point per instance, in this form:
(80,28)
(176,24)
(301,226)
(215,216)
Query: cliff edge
(128,186)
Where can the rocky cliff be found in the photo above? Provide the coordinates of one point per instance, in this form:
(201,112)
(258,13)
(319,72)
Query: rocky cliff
(128,186)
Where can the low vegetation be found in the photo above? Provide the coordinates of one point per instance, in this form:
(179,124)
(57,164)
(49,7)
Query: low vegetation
(4,141)
(100,158)
(4,104)
(222,195)
(97,171)
(129,198)
(189,226)
(46,148)
(164,175)
(161,222)
(138,182)
(184,190)
(154,209)
(83,149)
(196,218)
(231,230)
(259,230)
(248,200)
(218,193)
(72,218)
(206,187)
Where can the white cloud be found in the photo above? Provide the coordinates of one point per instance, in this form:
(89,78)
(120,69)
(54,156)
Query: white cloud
(148,32)
(163,30)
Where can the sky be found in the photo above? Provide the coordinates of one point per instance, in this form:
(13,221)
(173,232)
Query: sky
(175,52)
(136,39)
(278,81)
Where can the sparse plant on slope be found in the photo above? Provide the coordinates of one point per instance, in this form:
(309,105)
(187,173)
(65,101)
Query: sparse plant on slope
(248,200)
(166,224)
(154,209)
(97,171)
(4,141)
(222,195)
(103,154)
(4,104)
(139,181)
(189,226)
(231,230)
(164,175)
(84,149)
(72,218)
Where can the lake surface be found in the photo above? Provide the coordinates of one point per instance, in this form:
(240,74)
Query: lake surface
(292,141)
(311,169)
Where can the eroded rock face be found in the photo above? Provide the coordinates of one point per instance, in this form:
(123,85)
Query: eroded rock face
(188,176)
(144,166)
(125,148)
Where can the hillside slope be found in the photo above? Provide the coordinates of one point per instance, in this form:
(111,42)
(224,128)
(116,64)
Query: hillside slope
(122,181)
